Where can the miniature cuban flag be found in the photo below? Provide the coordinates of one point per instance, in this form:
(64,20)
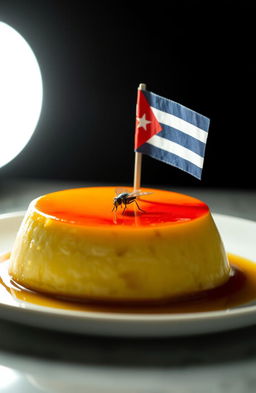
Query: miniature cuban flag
(170,132)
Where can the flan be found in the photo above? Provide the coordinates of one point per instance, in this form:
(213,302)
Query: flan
(71,244)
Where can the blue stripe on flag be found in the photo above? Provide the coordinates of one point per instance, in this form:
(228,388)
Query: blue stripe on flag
(170,158)
(182,139)
(178,110)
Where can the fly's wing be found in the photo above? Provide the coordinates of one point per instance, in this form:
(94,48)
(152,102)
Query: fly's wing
(137,193)
(121,190)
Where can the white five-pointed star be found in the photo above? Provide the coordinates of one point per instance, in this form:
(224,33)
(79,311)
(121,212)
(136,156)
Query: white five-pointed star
(143,122)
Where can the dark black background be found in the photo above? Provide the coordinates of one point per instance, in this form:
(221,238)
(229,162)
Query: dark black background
(93,55)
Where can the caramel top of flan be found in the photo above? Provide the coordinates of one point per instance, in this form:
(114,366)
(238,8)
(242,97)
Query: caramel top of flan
(92,206)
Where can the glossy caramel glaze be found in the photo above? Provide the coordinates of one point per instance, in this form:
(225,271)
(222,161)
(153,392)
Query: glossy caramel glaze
(240,289)
(93,207)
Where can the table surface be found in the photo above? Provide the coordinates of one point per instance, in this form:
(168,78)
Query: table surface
(33,359)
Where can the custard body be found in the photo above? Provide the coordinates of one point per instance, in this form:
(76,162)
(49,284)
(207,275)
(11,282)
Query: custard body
(71,244)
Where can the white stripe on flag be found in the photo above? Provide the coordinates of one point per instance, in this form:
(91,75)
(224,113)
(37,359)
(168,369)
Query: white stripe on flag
(177,149)
(179,124)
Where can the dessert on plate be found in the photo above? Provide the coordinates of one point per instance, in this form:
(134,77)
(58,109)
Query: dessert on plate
(72,245)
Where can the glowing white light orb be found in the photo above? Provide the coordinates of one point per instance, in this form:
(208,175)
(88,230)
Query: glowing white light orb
(21,93)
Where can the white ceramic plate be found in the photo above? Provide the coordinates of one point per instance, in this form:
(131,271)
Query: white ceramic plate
(239,237)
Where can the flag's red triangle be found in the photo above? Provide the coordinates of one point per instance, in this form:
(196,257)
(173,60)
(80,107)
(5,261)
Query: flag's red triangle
(146,122)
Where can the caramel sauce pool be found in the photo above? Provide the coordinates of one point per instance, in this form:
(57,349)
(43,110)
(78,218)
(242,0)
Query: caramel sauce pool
(239,290)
